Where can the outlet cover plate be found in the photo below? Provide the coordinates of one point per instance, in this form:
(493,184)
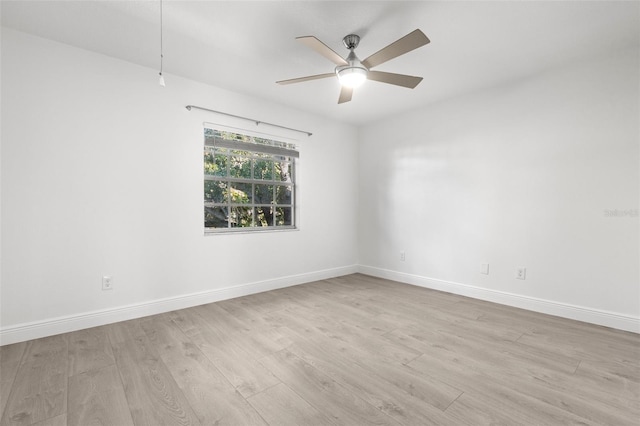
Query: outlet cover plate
(107,283)
(521,273)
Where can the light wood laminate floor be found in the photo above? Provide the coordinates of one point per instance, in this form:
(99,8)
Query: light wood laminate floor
(354,350)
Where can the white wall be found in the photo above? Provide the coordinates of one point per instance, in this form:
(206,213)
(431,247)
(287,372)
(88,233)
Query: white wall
(102,175)
(516,175)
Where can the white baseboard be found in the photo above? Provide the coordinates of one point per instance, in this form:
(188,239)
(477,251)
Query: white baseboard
(579,313)
(53,326)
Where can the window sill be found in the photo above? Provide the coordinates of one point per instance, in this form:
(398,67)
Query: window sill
(234,231)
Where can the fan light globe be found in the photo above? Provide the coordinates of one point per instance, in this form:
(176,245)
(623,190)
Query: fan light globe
(352,76)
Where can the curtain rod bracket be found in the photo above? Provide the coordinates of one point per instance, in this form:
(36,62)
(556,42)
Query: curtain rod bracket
(189,107)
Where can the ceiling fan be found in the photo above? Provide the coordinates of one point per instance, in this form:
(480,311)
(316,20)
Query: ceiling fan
(352,72)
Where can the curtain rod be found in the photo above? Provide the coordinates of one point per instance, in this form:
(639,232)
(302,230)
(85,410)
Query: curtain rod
(258,122)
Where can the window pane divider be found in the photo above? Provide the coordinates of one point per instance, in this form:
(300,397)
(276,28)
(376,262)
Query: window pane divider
(240,180)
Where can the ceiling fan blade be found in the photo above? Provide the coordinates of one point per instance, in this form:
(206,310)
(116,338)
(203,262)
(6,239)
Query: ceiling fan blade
(411,41)
(323,49)
(307,78)
(345,94)
(397,79)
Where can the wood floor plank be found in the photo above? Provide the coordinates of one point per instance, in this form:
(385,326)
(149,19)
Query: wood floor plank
(96,397)
(245,328)
(10,356)
(40,351)
(322,392)
(373,303)
(211,395)
(246,374)
(476,378)
(89,349)
(539,323)
(341,361)
(486,393)
(611,377)
(8,373)
(345,335)
(478,410)
(410,403)
(352,315)
(12,353)
(152,394)
(396,292)
(593,346)
(265,302)
(557,371)
(490,351)
(39,391)
(60,420)
(281,406)
(596,391)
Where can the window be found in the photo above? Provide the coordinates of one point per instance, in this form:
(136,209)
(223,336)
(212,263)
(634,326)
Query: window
(249,182)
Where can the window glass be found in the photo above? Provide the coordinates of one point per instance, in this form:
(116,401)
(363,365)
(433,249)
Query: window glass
(248,182)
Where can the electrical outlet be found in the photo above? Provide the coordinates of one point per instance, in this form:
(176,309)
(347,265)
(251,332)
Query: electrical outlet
(484,268)
(402,256)
(107,283)
(521,273)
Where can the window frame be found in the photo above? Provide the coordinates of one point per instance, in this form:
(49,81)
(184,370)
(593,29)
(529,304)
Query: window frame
(252,147)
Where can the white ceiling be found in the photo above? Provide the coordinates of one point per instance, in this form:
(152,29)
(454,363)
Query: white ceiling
(245,46)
